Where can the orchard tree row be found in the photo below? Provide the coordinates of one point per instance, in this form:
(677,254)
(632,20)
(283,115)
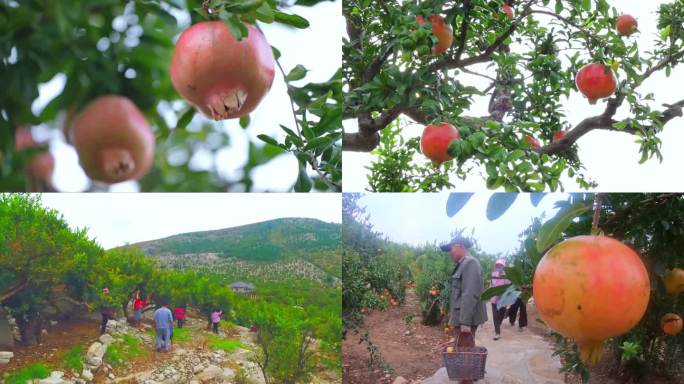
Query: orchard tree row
(120,105)
(43,262)
(413,59)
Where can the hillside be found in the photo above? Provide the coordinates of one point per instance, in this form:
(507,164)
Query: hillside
(269,250)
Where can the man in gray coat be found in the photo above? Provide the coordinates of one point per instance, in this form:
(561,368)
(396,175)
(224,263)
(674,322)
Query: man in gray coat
(467,284)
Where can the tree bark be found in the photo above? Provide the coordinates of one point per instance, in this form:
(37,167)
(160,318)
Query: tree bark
(29,328)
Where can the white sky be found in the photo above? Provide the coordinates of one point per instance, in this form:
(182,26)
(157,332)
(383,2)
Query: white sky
(610,158)
(117,219)
(420,218)
(318,48)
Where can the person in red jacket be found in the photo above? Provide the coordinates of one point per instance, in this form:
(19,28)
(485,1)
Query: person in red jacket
(138,307)
(179,315)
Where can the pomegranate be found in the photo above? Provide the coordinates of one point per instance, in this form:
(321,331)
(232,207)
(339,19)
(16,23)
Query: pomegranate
(442,31)
(113,140)
(533,142)
(224,78)
(434,292)
(508,10)
(596,81)
(435,142)
(674,281)
(671,323)
(626,25)
(591,288)
(559,135)
(39,167)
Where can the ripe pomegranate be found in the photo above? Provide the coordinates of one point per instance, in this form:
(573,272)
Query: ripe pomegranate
(442,31)
(591,288)
(40,167)
(626,25)
(533,142)
(674,281)
(434,143)
(596,81)
(224,78)
(671,324)
(113,140)
(559,135)
(508,10)
(434,292)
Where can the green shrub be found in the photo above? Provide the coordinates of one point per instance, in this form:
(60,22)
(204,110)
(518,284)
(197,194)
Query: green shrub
(73,358)
(118,353)
(228,345)
(24,375)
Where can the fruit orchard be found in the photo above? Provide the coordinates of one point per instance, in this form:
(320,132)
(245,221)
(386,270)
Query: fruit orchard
(150,85)
(410,63)
(43,263)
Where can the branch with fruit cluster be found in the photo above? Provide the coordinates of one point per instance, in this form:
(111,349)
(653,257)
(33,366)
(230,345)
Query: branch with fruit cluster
(390,73)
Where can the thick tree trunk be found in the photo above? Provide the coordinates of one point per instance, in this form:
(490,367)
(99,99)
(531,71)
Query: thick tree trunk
(29,328)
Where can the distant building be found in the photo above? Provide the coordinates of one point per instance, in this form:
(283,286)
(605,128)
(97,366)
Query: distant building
(243,288)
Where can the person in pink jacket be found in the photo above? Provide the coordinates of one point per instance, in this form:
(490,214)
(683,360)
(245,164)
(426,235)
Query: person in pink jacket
(498,279)
(216,319)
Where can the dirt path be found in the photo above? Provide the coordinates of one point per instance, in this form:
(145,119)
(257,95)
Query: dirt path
(413,351)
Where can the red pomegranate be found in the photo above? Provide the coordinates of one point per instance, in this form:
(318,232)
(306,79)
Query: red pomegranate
(442,31)
(41,166)
(559,135)
(671,323)
(626,25)
(113,140)
(434,143)
(221,76)
(508,10)
(596,81)
(533,142)
(591,288)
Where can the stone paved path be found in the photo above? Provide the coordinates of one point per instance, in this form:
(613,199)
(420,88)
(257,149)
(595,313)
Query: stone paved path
(517,358)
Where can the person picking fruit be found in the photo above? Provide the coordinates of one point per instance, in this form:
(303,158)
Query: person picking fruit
(498,279)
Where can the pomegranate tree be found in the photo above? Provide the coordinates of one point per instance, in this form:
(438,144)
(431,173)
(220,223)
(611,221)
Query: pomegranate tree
(626,25)
(223,77)
(596,81)
(591,288)
(441,30)
(113,140)
(434,143)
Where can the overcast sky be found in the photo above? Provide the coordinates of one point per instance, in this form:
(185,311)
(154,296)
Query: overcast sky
(117,219)
(610,158)
(421,218)
(318,48)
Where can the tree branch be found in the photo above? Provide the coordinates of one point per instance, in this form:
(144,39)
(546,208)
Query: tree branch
(18,286)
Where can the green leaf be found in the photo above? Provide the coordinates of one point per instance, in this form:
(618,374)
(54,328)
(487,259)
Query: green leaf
(456,202)
(552,230)
(268,139)
(186,118)
(244,121)
(265,13)
(498,204)
(291,20)
(515,275)
(494,291)
(303,183)
(297,73)
(508,297)
(234,24)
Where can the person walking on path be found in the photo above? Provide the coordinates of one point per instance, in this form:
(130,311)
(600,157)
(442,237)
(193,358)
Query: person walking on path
(107,306)
(513,312)
(467,284)
(138,307)
(163,321)
(498,279)
(179,315)
(215,320)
